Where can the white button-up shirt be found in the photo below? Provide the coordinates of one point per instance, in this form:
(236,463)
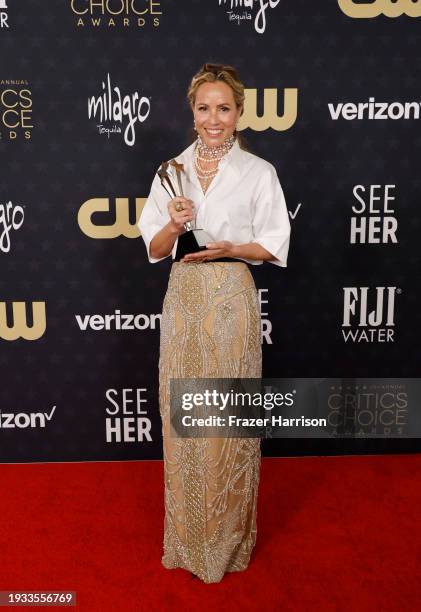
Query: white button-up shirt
(244,203)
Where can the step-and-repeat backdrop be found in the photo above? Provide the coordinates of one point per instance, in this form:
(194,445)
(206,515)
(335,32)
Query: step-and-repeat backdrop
(93,99)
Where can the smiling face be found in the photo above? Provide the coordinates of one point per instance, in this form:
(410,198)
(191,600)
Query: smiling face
(215,112)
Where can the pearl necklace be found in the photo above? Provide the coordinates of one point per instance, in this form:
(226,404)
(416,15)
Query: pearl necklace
(217,152)
(206,154)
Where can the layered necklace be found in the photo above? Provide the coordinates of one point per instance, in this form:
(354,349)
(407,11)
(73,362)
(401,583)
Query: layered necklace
(209,155)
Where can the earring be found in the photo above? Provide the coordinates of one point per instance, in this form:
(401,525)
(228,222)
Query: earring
(194,126)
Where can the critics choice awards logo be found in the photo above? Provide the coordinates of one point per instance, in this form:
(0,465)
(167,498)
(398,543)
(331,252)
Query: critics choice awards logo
(249,10)
(117,114)
(389,8)
(116,13)
(368,409)
(16,121)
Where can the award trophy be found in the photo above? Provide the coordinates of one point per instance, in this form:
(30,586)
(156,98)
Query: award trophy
(193,239)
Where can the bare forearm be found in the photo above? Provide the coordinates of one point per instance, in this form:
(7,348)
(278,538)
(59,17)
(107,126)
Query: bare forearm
(251,250)
(162,243)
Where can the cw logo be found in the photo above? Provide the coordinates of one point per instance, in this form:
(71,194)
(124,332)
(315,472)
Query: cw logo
(3,4)
(19,327)
(121,225)
(390,8)
(270,117)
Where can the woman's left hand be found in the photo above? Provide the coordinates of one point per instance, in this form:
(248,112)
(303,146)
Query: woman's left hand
(213,250)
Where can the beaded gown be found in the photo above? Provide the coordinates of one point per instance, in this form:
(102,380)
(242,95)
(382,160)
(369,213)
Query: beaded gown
(210,328)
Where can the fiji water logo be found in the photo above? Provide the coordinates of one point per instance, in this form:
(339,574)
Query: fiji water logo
(369,314)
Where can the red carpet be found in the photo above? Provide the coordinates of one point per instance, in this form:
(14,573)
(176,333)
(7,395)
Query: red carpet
(334,534)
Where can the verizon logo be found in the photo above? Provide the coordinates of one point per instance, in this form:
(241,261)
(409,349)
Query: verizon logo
(373,110)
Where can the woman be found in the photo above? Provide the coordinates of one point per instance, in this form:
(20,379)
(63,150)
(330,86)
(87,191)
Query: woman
(210,325)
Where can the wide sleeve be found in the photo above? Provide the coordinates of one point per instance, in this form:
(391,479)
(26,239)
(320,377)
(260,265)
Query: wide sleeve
(154,215)
(270,226)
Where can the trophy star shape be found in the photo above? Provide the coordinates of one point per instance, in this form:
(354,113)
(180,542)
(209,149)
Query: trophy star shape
(166,180)
(194,239)
(179,169)
(176,165)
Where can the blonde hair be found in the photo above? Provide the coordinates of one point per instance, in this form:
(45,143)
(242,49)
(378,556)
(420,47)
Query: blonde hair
(210,73)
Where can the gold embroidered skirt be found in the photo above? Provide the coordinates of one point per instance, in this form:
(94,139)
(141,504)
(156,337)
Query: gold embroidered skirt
(210,328)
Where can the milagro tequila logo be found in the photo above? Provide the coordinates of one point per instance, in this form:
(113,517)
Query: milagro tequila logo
(3,14)
(369,314)
(11,218)
(260,17)
(116,113)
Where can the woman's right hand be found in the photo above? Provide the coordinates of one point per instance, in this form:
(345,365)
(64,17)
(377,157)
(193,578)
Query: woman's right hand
(178,219)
